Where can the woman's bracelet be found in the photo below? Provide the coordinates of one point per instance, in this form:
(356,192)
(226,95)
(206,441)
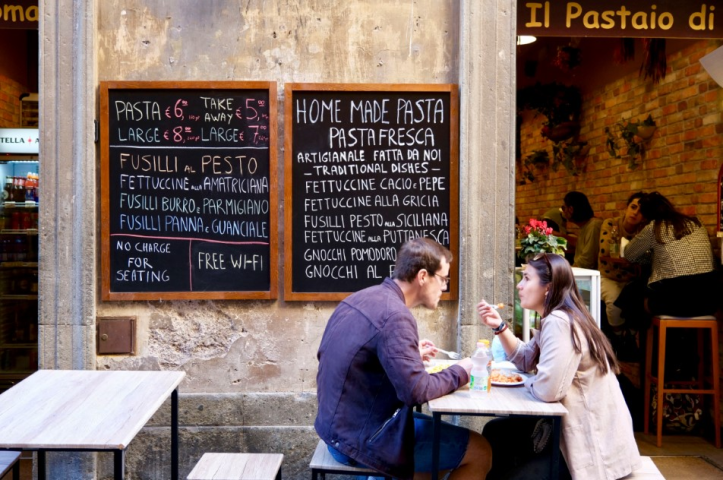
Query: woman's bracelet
(501,328)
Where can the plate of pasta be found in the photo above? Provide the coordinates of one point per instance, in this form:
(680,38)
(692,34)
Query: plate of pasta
(507,378)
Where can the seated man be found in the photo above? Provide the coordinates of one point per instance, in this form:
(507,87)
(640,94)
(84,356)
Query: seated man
(371,375)
(576,209)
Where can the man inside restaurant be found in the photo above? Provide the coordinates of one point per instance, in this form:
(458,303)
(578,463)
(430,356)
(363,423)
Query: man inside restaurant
(371,375)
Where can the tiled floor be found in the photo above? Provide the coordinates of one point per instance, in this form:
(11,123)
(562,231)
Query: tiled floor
(680,445)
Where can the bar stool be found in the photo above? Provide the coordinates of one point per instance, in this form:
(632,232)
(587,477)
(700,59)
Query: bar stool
(662,323)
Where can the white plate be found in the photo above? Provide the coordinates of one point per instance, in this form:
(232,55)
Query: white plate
(511,384)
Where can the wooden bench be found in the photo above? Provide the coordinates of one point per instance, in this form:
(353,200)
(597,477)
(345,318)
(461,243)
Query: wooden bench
(647,472)
(8,461)
(322,463)
(238,466)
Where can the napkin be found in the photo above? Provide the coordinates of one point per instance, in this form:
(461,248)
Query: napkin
(623,242)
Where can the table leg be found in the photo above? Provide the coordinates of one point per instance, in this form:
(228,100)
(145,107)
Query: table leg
(41,465)
(555,459)
(436,437)
(174,434)
(119,464)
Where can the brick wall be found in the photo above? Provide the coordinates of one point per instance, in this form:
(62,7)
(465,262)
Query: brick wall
(682,159)
(10,102)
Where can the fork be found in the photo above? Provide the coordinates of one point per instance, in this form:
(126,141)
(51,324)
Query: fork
(452,355)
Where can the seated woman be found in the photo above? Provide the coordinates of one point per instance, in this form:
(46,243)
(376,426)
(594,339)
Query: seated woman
(575,366)
(683,278)
(576,209)
(614,276)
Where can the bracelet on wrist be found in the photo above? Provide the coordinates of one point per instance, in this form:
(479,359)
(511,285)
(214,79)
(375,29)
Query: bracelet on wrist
(501,328)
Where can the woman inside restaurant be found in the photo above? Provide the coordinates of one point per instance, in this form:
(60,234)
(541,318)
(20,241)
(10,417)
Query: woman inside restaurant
(576,208)
(575,366)
(683,278)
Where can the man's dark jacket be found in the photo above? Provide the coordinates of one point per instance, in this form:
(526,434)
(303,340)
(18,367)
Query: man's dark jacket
(371,376)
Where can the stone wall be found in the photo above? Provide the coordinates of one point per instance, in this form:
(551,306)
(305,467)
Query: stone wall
(251,365)
(681,161)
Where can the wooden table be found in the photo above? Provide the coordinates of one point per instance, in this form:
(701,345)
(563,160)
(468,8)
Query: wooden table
(86,410)
(500,401)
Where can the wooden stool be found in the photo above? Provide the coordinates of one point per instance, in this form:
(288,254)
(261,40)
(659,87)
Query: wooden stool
(322,463)
(9,460)
(662,323)
(238,466)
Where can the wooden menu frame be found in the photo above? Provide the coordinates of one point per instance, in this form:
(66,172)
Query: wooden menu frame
(107,294)
(289,207)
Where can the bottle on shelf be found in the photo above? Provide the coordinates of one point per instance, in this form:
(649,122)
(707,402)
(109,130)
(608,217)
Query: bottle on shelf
(8,188)
(479,377)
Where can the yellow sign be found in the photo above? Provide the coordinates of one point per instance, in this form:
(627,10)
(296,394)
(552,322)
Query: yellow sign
(631,18)
(19,14)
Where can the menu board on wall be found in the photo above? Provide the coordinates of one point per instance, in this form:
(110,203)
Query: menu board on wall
(367,167)
(188,190)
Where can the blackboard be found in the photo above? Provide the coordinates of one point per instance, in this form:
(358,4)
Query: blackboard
(188,189)
(367,167)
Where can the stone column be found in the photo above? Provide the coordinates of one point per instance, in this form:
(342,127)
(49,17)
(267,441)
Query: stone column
(67,243)
(487,179)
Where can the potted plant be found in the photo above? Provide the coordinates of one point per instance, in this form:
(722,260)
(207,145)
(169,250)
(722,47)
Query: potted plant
(571,155)
(537,237)
(559,104)
(634,135)
(536,164)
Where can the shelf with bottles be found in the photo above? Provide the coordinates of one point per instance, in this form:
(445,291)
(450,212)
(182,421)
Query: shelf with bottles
(21,190)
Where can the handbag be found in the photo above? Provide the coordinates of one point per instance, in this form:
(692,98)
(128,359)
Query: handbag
(681,411)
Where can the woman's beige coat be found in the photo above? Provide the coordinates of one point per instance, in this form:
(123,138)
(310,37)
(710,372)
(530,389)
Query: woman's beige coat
(597,433)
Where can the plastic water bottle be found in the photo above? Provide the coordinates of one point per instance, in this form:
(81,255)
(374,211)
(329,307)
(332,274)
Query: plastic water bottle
(481,358)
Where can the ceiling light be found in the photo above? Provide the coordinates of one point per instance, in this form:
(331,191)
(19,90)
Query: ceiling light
(525,39)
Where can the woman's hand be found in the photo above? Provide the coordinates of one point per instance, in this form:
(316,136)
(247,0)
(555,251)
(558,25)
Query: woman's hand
(427,350)
(489,316)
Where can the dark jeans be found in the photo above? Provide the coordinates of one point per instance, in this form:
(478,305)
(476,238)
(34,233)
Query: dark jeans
(513,457)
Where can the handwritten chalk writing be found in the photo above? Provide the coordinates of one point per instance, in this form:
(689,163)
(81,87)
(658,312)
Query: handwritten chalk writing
(317,111)
(403,183)
(327,271)
(174,223)
(236,185)
(218,103)
(348,185)
(325,255)
(144,276)
(370,111)
(418,168)
(422,201)
(432,155)
(231,206)
(150,223)
(219,117)
(391,155)
(211,261)
(389,137)
(325,221)
(240,228)
(139,135)
(351,170)
(152,247)
(401,236)
(386,201)
(366,221)
(247,262)
(179,205)
(218,134)
(146,182)
(428,110)
(136,201)
(329,157)
(432,183)
(219,165)
(123,246)
(322,204)
(422,220)
(335,236)
(149,163)
(137,111)
(372,254)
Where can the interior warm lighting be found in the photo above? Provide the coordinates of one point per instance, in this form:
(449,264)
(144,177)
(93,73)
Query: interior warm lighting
(525,39)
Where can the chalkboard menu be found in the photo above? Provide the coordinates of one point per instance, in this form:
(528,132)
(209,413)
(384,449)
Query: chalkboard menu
(367,167)
(189,197)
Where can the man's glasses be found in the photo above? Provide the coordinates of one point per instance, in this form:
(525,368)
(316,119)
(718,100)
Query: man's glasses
(445,280)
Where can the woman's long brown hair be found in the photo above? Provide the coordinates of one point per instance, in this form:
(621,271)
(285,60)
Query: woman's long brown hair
(553,270)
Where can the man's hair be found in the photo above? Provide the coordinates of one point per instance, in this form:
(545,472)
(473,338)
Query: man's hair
(581,209)
(417,254)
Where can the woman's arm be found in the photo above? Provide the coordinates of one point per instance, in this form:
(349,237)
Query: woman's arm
(523,355)
(558,362)
(636,249)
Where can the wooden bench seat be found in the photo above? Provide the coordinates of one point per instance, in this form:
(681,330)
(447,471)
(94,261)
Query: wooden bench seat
(9,461)
(238,466)
(647,472)
(322,463)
